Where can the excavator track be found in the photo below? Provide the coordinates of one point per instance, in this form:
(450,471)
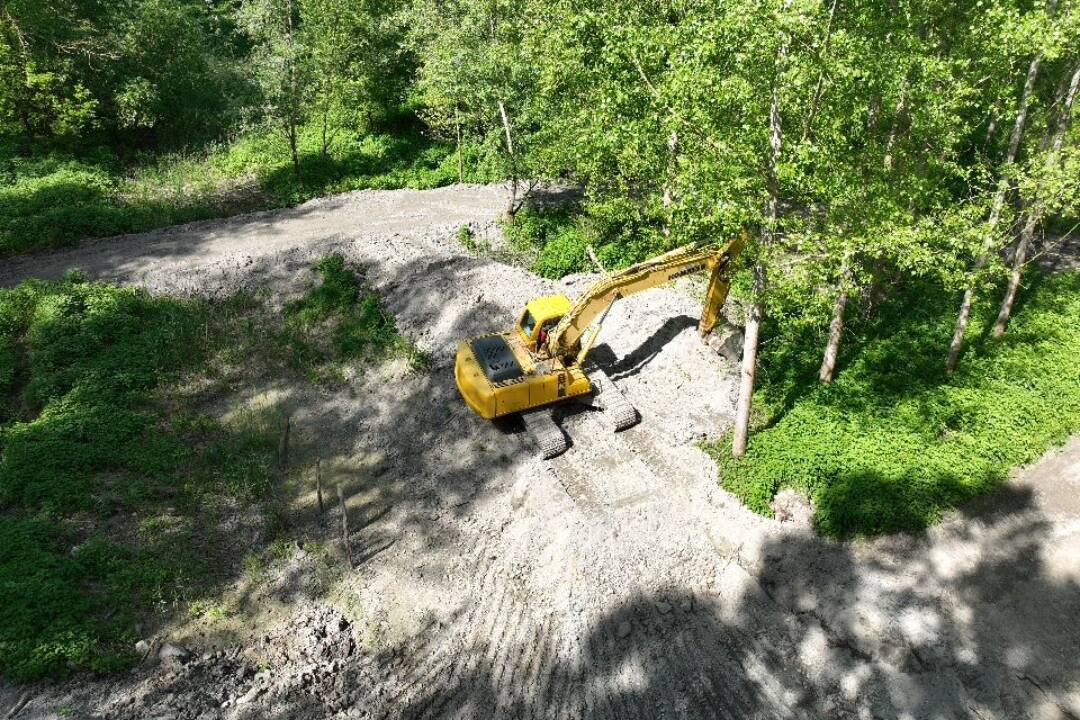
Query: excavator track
(549,437)
(608,397)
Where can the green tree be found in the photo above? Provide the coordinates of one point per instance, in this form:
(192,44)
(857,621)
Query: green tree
(475,81)
(280,64)
(1032,33)
(358,66)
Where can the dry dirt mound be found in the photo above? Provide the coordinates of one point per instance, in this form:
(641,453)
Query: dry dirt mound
(616,581)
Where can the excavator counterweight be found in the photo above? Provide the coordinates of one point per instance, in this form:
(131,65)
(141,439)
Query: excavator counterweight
(543,360)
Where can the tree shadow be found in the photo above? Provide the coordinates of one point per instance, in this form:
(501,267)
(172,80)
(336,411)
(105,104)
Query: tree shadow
(968,621)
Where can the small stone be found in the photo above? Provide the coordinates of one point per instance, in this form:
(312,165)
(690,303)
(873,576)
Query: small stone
(790,506)
(173,653)
(663,607)
(519,494)
(142,648)
(625,628)
(250,695)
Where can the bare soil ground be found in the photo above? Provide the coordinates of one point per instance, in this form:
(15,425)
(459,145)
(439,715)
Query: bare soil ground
(616,581)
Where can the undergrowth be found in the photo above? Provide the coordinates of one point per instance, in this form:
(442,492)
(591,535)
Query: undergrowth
(341,319)
(894,442)
(115,488)
(54,199)
(556,238)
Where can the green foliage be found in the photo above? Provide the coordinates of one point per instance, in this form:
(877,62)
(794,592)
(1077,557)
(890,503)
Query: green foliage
(553,235)
(342,319)
(562,253)
(894,442)
(89,444)
(558,236)
(465,237)
(124,72)
(54,200)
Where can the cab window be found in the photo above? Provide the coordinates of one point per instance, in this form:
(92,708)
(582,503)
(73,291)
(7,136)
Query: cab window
(528,323)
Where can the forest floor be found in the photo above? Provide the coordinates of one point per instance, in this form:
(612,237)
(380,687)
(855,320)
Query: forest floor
(615,581)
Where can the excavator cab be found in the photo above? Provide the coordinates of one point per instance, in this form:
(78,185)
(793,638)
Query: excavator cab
(540,318)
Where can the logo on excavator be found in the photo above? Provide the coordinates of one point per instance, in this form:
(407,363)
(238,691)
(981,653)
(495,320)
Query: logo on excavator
(689,270)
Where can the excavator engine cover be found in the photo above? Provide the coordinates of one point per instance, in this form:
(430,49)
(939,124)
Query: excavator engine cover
(496,358)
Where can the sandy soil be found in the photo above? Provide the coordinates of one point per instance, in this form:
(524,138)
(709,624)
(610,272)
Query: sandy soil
(616,581)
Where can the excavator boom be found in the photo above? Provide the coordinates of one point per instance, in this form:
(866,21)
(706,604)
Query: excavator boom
(565,339)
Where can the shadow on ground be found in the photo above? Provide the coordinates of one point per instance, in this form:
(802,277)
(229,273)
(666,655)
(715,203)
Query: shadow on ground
(819,629)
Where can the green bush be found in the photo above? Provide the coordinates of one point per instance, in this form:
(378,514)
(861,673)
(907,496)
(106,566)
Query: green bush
(894,442)
(563,253)
(558,237)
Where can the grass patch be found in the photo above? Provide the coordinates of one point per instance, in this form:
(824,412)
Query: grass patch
(894,442)
(104,487)
(54,200)
(115,490)
(340,319)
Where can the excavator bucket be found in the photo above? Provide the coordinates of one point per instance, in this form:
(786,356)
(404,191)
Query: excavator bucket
(719,284)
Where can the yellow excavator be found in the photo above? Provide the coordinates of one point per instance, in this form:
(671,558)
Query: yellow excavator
(542,361)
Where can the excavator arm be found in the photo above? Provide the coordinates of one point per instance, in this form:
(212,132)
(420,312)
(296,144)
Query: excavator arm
(573,334)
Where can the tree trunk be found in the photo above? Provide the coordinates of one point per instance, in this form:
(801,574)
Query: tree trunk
(749,364)
(836,329)
(460,157)
(757,308)
(991,128)
(325,148)
(894,131)
(964,316)
(512,206)
(819,87)
(1036,210)
(294,150)
(669,195)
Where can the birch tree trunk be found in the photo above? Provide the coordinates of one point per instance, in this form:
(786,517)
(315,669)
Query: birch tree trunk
(511,207)
(757,307)
(819,86)
(1037,208)
(964,316)
(749,364)
(894,131)
(460,157)
(836,327)
(669,195)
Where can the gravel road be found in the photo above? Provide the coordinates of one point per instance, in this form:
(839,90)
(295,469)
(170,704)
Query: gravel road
(616,581)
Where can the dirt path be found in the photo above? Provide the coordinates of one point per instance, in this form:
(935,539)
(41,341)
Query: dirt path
(617,581)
